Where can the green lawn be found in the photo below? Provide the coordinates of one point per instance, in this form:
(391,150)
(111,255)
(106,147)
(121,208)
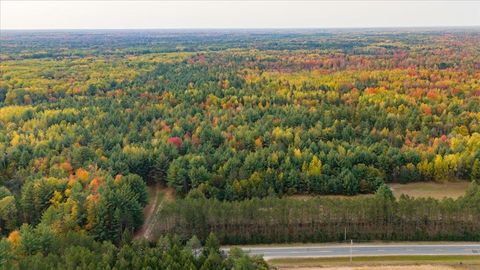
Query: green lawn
(377,260)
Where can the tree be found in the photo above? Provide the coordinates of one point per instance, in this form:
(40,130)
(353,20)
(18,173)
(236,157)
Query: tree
(3,94)
(8,214)
(81,156)
(212,245)
(441,168)
(194,245)
(177,176)
(213,262)
(384,192)
(138,187)
(315,167)
(476,171)
(351,185)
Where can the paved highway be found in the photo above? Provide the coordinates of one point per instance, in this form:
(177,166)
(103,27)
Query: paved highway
(364,250)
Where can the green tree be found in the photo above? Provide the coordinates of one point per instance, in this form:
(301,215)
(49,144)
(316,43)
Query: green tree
(476,171)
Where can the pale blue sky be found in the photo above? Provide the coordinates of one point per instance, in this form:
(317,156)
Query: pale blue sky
(235,14)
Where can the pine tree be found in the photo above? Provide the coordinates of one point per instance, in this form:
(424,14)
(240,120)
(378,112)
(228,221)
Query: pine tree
(212,245)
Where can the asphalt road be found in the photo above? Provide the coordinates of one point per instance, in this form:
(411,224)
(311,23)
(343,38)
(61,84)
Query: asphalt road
(364,250)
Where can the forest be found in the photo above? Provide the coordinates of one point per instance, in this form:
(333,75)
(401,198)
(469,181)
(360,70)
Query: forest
(234,122)
(41,249)
(291,220)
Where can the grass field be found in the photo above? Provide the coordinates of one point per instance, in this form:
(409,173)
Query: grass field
(381,263)
(304,197)
(431,189)
(418,189)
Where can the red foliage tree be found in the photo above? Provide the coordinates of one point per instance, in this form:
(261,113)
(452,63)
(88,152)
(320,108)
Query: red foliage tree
(177,141)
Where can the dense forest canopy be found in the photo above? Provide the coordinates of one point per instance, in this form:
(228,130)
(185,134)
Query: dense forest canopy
(88,119)
(41,249)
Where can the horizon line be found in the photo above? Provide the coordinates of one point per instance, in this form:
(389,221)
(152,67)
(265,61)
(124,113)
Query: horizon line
(250,28)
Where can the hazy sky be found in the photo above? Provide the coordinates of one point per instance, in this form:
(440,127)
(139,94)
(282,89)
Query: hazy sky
(235,14)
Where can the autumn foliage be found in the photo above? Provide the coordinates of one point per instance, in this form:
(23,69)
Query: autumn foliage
(87,121)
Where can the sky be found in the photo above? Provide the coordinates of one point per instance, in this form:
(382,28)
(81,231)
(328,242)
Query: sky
(125,14)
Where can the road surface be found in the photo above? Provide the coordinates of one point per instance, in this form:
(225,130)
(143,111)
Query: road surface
(364,250)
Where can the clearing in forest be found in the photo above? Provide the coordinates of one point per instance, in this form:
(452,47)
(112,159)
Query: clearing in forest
(417,190)
(431,189)
(157,196)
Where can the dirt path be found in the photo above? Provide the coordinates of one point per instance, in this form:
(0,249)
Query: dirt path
(158,196)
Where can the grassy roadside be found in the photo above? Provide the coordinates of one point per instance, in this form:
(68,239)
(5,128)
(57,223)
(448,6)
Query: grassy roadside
(356,244)
(470,262)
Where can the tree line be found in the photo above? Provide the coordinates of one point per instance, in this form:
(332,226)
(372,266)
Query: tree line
(319,219)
